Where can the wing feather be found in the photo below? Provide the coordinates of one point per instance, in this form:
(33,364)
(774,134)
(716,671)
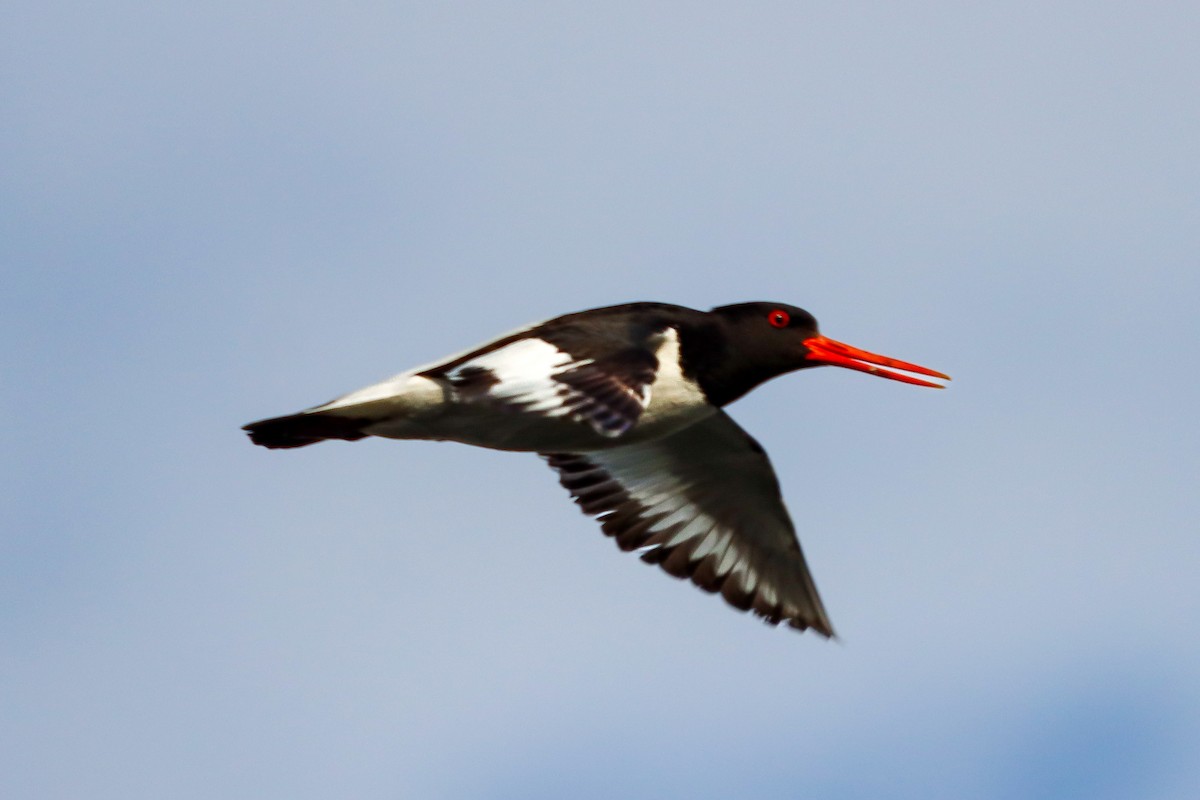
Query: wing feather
(704,504)
(532,376)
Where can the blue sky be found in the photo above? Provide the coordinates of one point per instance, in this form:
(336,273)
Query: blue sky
(211,215)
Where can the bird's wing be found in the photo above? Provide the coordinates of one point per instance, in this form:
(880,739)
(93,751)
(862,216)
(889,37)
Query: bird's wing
(705,504)
(607,388)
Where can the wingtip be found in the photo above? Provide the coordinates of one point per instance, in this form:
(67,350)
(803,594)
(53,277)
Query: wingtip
(818,626)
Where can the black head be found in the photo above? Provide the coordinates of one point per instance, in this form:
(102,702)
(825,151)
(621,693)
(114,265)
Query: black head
(763,340)
(770,336)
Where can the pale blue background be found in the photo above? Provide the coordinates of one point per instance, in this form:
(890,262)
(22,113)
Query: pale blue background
(223,211)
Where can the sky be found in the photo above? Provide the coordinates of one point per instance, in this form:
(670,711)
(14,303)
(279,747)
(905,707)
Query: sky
(215,213)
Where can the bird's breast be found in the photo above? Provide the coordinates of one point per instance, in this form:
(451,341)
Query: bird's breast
(676,401)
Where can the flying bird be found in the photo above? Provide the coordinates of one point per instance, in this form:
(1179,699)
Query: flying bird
(627,404)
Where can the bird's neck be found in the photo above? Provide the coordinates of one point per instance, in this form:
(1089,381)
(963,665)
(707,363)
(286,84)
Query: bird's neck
(723,372)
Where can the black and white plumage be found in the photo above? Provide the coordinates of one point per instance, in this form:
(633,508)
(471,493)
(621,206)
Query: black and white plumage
(625,403)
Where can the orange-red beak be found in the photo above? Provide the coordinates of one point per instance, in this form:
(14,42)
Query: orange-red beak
(827,351)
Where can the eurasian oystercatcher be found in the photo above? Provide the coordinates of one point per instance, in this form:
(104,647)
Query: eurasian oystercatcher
(626,402)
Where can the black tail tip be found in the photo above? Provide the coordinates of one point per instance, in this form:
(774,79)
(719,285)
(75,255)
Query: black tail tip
(299,430)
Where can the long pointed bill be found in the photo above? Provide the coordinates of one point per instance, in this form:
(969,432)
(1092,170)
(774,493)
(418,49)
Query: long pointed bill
(836,354)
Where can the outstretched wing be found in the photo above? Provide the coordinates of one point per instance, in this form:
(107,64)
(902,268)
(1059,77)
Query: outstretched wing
(704,504)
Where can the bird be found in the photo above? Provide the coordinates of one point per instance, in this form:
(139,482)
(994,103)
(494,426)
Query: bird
(627,404)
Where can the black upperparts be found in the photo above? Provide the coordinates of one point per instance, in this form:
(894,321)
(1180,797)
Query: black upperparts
(727,351)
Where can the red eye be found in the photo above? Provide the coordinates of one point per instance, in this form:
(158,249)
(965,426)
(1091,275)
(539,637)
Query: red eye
(779,318)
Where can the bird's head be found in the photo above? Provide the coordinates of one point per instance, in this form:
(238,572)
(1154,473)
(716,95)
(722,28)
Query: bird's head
(777,338)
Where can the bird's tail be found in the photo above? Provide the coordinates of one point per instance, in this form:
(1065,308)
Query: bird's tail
(305,428)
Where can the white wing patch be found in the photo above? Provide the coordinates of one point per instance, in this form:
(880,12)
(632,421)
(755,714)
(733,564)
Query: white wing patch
(523,373)
(533,376)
